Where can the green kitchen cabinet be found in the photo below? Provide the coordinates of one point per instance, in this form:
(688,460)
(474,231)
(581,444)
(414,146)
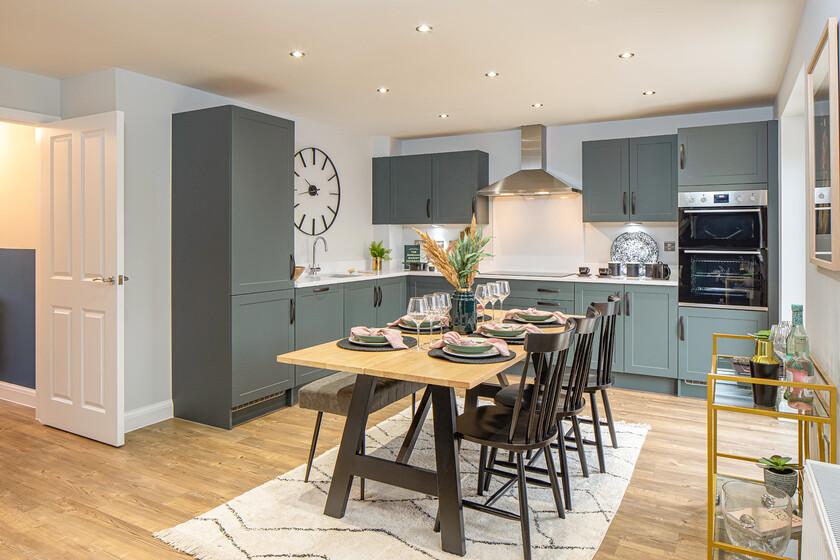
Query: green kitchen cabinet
(262,329)
(360,304)
(606,180)
(391,303)
(456,176)
(419,286)
(587,293)
(729,154)
(630,179)
(566,306)
(650,330)
(319,318)
(435,188)
(696,327)
(653,179)
(411,189)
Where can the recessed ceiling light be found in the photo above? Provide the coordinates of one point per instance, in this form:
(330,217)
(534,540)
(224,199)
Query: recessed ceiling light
(649,92)
(443,116)
(297,54)
(424,28)
(492,74)
(626,54)
(383,90)
(536,105)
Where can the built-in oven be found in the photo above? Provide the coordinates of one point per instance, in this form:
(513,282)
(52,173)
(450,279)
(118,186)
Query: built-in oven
(723,248)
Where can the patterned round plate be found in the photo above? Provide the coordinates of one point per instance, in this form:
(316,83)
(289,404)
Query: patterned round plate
(634,246)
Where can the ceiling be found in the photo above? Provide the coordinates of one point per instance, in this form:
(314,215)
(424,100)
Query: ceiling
(696,54)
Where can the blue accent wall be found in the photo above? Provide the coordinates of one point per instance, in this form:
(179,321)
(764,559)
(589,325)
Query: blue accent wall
(17,316)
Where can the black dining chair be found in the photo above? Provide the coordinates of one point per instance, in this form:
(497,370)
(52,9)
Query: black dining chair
(529,425)
(570,406)
(601,380)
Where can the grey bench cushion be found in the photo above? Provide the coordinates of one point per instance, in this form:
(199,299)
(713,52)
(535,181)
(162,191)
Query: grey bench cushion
(332,393)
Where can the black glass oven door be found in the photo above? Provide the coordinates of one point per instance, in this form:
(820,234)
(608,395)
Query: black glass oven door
(726,228)
(737,278)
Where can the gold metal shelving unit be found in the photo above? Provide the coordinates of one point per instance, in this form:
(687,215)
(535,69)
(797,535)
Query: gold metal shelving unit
(821,418)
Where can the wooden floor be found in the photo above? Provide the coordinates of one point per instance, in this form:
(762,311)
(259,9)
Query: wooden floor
(62,496)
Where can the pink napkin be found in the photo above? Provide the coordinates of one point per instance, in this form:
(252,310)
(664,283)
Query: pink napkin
(454,338)
(393,336)
(527,327)
(560,317)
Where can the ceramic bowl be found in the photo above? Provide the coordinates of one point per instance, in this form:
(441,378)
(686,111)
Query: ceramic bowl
(471,346)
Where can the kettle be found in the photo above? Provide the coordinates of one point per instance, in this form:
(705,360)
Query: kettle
(657,271)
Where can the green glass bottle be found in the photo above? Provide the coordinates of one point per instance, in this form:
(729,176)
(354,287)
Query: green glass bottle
(798,364)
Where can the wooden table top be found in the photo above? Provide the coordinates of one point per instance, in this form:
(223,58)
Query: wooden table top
(403,365)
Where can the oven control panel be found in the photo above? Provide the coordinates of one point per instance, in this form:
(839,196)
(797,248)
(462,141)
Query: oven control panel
(713,199)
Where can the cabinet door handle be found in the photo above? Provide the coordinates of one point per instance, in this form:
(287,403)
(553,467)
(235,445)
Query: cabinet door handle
(428,207)
(624,203)
(682,156)
(681,329)
(549,303)
(378,296)
(292,311)
(292,265)
(633,202)
(375,297)
(548,290)
(627,304)
(321,290)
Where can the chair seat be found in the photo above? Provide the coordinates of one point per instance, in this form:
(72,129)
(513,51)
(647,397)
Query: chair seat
(490,425)
(332,394)
(507,397)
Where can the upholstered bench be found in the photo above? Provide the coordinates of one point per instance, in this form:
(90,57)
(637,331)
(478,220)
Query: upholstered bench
(332,394)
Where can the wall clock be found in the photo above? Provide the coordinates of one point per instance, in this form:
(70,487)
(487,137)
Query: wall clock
(317,191)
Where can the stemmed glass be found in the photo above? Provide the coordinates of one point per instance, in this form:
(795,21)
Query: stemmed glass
(433,306)
(504,292)
(417,312)
(482,295)
(445,302)
(493,294)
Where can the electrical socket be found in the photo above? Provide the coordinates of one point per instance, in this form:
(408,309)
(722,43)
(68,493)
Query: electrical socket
(670,246)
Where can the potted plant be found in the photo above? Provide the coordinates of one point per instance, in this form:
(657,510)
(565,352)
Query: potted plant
(379,253)
(459,265)
(780,473)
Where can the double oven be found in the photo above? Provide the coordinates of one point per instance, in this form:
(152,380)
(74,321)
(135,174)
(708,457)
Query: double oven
(723,249)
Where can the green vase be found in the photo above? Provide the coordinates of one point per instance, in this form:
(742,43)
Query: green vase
(463,313)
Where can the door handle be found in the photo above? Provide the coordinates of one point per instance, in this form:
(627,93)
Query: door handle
(681,329)
(292,265)
(627,304)
(682,156)
(624,203)
(320,290)
(104,279)
(292,311)
(548,290)
(633,202)
(473,206)
(377,296)
(428,207)
(548,303)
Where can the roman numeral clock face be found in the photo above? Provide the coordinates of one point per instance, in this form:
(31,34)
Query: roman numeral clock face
(317,191)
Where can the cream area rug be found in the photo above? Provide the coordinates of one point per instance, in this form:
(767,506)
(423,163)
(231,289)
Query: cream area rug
(284,517)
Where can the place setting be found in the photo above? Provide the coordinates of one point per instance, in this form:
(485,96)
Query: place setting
(511,333)
(533,316)
(470,349)
(367,339)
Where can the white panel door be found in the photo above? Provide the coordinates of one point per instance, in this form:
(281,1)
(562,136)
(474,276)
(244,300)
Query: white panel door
(79,371)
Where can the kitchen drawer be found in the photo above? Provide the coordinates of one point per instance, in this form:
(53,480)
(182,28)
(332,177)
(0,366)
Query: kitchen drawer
(540,290)
(566,306)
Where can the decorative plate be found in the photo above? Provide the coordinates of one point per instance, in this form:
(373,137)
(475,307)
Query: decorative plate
(634,246)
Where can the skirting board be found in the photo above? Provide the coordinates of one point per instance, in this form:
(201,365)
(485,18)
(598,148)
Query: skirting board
(17,394)
(148,415)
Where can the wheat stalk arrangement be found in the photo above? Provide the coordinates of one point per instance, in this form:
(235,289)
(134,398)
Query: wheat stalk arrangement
(459,262)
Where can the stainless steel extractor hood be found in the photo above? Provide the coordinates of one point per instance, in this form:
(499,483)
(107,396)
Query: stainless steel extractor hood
(532,179)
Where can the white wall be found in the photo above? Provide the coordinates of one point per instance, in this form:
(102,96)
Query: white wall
(32,93)
(575,243)
(822,288)
(19,173)
(148,104)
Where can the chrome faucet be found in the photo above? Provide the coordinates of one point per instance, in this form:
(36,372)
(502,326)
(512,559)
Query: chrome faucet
(314,269)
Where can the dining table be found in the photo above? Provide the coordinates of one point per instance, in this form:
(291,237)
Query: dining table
(442,378)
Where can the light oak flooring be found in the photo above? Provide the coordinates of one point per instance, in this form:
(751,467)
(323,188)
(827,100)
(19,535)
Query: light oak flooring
(63,496)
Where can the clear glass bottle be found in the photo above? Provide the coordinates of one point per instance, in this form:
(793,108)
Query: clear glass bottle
(798,364)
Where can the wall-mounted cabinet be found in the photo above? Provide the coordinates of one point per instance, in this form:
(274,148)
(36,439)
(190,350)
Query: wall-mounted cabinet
(430,188)
(729,154)
(630,179)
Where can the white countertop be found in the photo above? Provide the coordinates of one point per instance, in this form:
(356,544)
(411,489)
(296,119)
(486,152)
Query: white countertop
(328,279)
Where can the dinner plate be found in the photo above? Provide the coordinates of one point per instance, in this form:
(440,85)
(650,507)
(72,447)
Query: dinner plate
(489,354)
(549,320)
(355,340)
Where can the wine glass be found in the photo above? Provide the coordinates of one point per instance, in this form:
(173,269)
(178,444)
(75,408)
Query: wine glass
(504,292)
(493,293)
(445,302)
(482,296)
(433,307)
(417,312)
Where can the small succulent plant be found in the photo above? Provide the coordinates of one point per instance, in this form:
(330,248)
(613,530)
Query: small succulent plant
(778,464)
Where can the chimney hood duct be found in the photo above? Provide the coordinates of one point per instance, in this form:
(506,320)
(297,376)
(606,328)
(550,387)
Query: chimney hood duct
(532,179)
